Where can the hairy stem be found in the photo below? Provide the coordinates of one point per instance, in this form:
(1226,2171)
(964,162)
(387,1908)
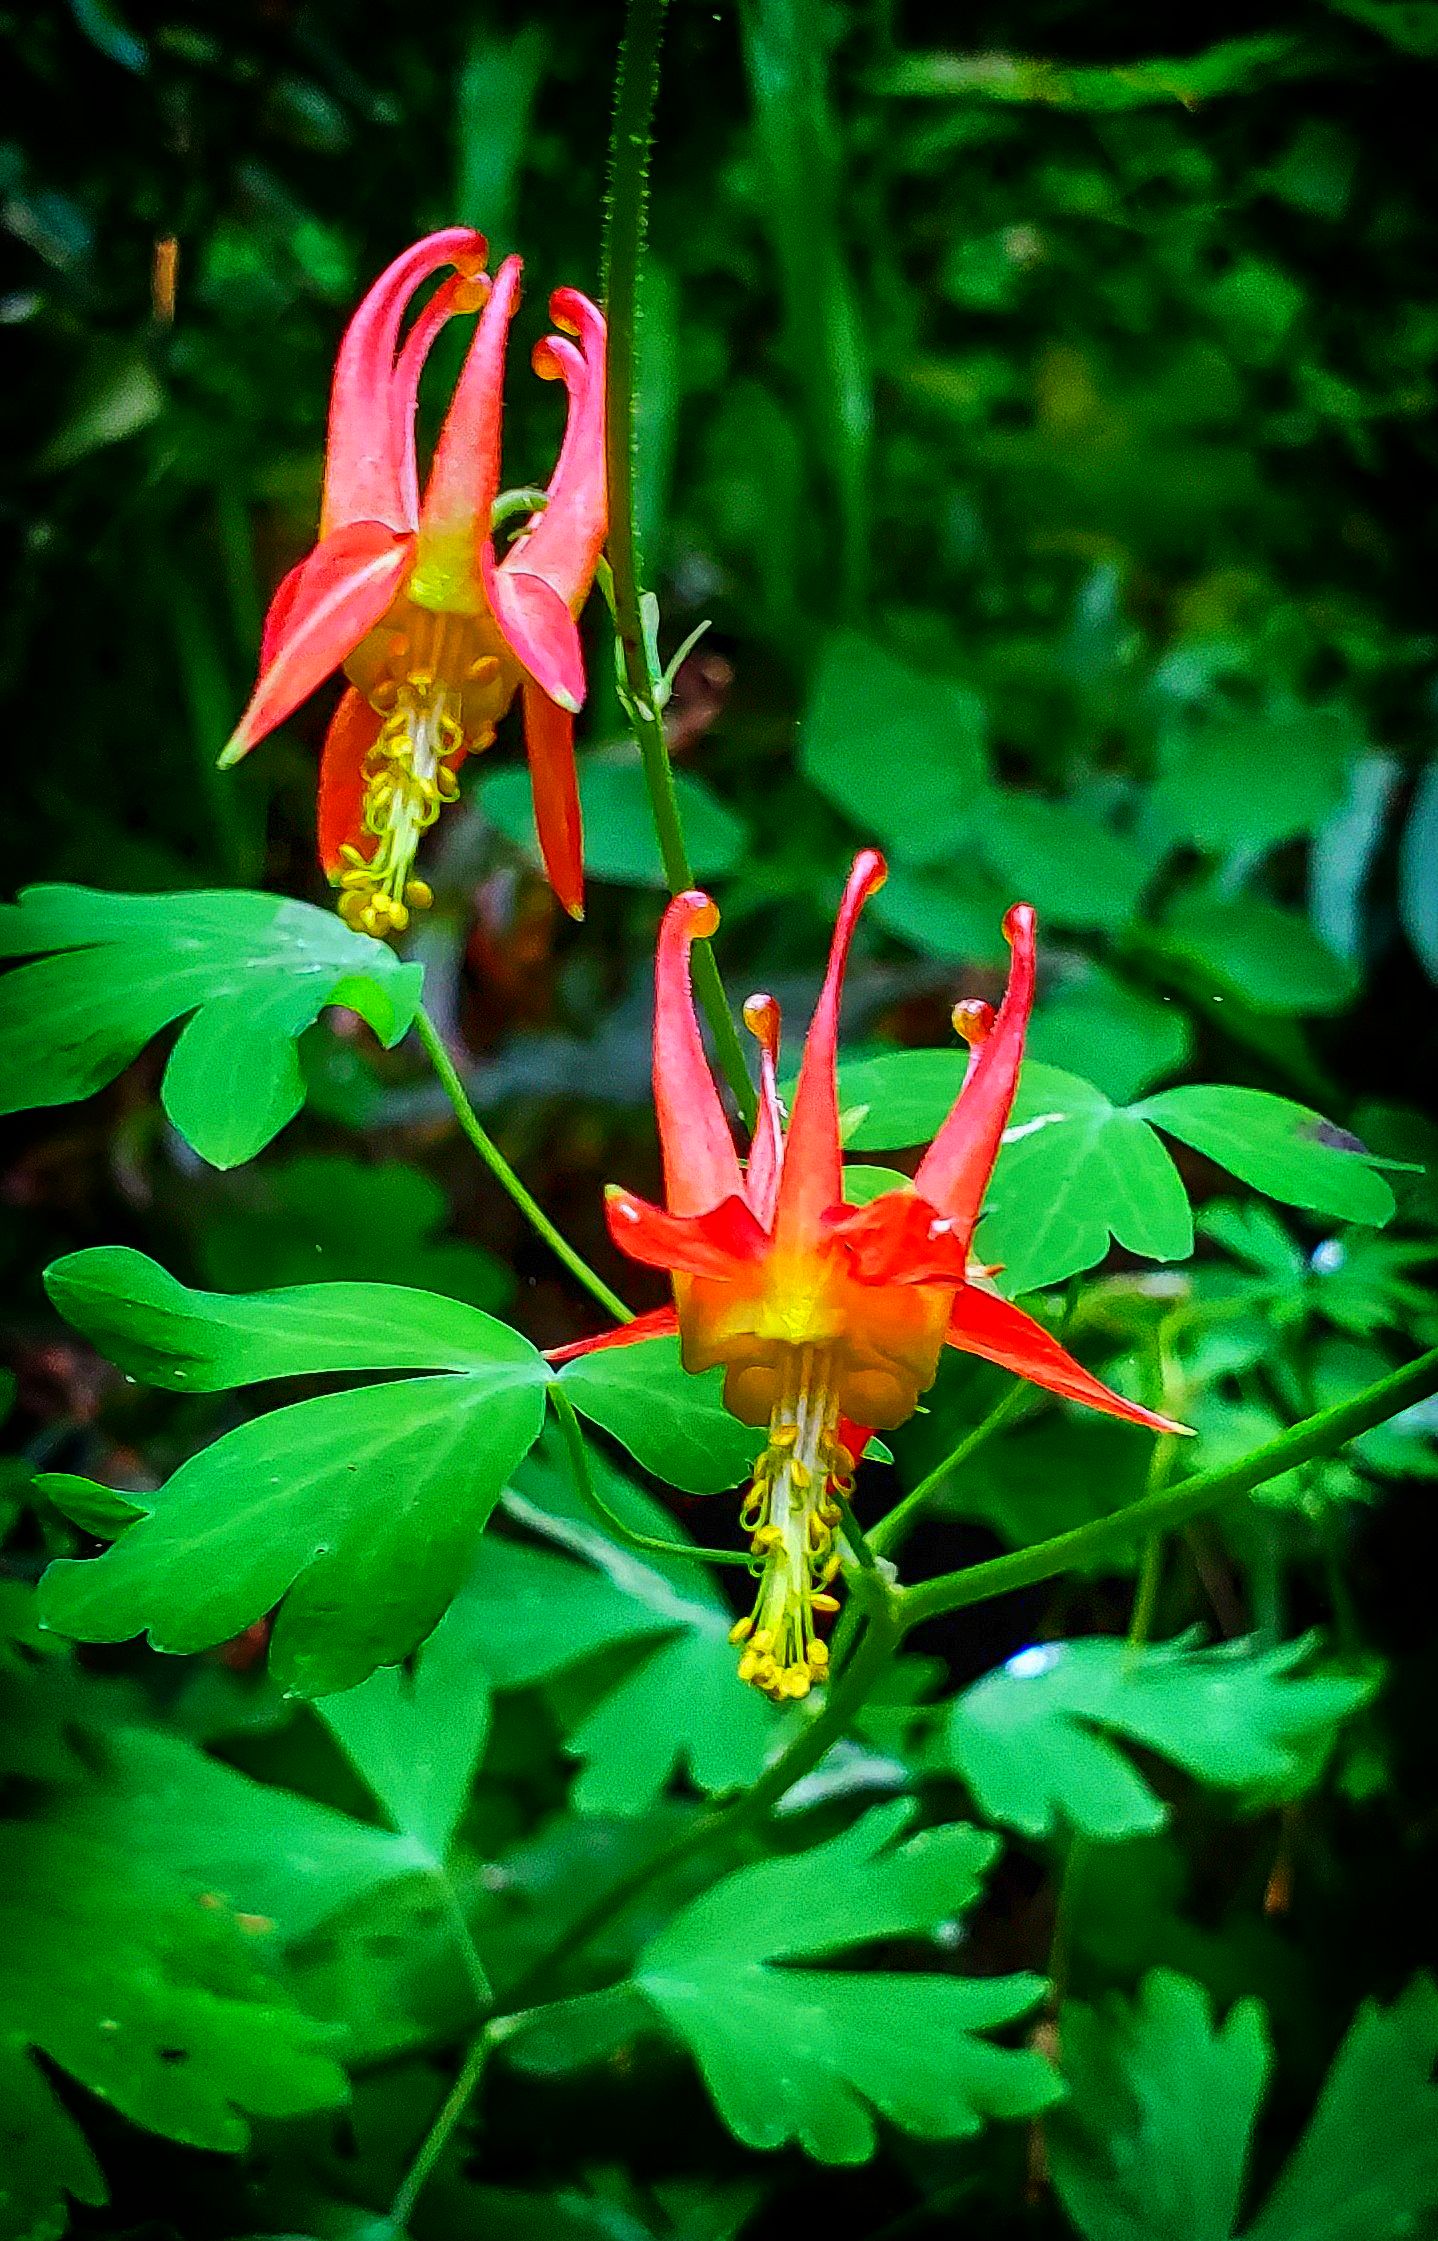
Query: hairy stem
(634,96)
(504,1174)
(435,2141)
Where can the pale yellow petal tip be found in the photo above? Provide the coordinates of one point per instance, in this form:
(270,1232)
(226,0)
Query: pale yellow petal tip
(234,751)
(566,701)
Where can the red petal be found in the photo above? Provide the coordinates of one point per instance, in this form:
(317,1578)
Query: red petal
(539,629)
(277,613)
(999,1332)
(954,1172)
(464,479)
(855,1437)
(720,1244)
(766,1152)
(366,457)
(566,539)
(459,294)
(354,728)
(549,740)
(332,601)
(899,1239)
(701,1166)
(661,1322)
(812,1180)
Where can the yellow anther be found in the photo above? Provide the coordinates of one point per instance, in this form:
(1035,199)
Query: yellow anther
(766,1537)
(748,1665)
(784,1435)
(482,672)
(741,1630)
(764,1640)
(819,1656)
(796,1681)
(822,1602)
(418,894)
(800,1476)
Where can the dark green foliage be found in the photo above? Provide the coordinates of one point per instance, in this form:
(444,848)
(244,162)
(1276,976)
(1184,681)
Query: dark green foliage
(1038,405)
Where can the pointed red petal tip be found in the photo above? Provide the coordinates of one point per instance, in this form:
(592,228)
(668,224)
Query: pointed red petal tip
(761,1017)
(973,1021)
(365,469)
(693,913)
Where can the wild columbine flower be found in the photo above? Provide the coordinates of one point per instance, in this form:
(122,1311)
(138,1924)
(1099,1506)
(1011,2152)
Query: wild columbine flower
(828,1319)
(405,594)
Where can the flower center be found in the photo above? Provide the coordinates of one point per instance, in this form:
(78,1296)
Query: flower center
(407,780)
(790,1513)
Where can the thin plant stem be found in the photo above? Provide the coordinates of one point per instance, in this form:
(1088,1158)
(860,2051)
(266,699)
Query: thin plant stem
(612,1522)
(504,1174)
(854,1533)
(469,1952)
(634,96)
(886,1535)
(435,2141)
(1171,1506)
(1145,1601)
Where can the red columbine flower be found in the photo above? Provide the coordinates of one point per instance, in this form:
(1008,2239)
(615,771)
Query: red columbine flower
(406,596)
(828,1319)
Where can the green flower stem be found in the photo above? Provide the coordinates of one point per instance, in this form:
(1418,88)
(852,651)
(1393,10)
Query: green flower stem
(504,1174)
(592,1499)
(890,1530)
(634,96)
(435,2141)
(1174,1505)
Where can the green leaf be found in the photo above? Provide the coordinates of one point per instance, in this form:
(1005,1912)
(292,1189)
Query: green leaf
(284,1862)
(1277,1146)
(955,911)
(619,842)
(160,1331)
(530,1615)
(46,2156)
(360,1510)
(254,971)
(900,752)
(324,1215)
(1034,1741)
(1252,781)
(1265,957)
(416,1736)
(1366,2169)
(163,2008)
(1120,1040)
(901,1098)
(1153,2144)
(1074,871)
(1073,1171)
(673,1423)
(808,2054)
(1050,1476)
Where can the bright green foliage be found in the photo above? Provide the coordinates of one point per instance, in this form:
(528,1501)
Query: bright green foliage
(674,1424)
(415,1734)
(254,971)
(361,1509)
(1077,1170)
(1154,2143)
(323,1215)
(1256,953)
(1075,871)
(619,841)
(901,752)
(534,1615)
(1036,1741)
(1277,1146)
(1255,779)
(163,2006)
(1121,1039)
(813,2055)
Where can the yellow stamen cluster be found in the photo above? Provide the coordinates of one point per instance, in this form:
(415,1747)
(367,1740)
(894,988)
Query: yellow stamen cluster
(407,783)
(791,1516)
